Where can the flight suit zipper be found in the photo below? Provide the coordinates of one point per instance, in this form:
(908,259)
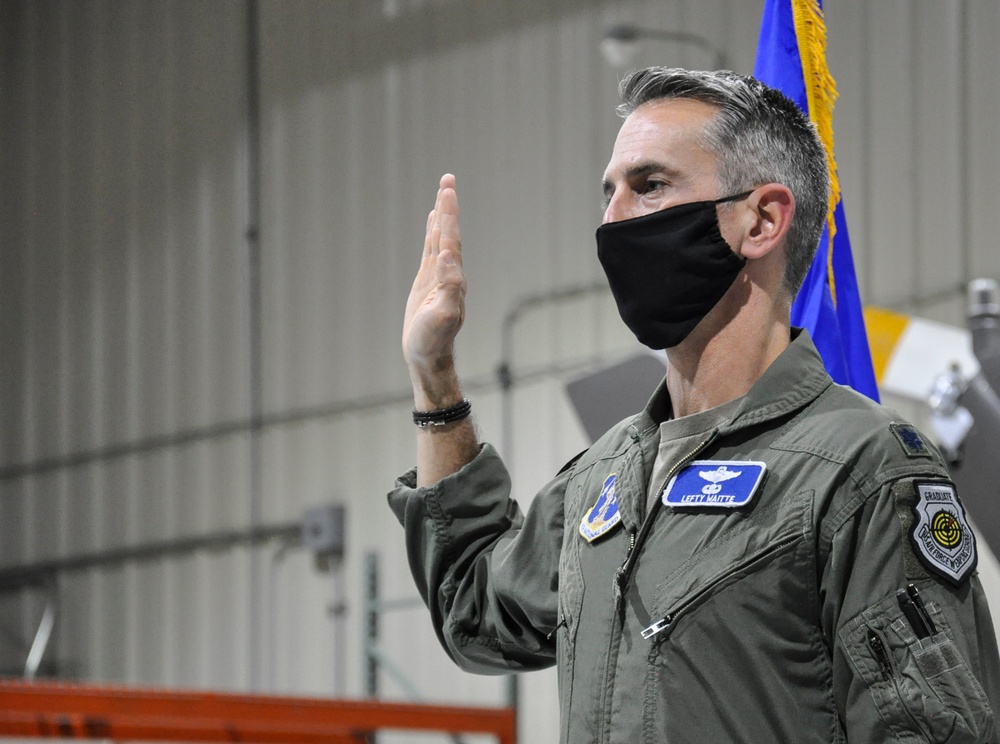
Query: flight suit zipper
(879,648)
(624,573)
(621,580)
(666,623)
(880,652)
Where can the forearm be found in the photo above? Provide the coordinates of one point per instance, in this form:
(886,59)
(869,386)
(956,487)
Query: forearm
(434,314)
(488,587)
(446,449)
(443,450)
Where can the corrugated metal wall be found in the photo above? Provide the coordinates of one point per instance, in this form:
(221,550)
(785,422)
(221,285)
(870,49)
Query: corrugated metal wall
(124,321)
(133,317)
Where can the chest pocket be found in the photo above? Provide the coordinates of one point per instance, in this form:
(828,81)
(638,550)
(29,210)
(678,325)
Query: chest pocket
(735,627)
(723,550)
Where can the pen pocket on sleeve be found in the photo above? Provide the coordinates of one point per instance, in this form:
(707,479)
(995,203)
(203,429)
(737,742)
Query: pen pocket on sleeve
(920,686)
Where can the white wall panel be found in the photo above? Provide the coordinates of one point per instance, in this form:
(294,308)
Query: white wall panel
(124,308)
(891,159)
(982,122)
(937,148)
(129,159)
(124,283)
(849,53)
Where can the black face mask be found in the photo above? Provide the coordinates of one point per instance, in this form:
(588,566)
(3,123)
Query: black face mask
(668,269)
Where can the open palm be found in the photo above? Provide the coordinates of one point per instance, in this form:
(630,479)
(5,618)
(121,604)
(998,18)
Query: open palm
(436,305)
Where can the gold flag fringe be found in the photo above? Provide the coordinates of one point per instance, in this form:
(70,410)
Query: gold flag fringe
(821,92)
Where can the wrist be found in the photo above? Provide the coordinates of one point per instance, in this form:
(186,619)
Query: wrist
(436,387)
(443,416)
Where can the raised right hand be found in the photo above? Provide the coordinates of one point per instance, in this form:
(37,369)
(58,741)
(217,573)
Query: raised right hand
(435,309)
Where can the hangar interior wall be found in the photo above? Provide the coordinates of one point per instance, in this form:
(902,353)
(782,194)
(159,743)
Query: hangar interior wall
(162,376)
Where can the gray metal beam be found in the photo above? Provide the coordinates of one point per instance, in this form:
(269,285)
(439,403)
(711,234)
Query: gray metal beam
(13,578)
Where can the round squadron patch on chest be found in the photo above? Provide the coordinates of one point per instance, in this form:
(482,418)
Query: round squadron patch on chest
(942,535)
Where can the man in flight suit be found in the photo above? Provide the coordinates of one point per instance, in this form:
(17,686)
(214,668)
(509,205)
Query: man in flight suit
(760,555)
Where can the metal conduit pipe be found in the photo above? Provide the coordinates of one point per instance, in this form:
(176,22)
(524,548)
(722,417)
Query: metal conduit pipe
(334,409)
(13,578)
(45,574)
(254,333)
(149,445)
(505,377)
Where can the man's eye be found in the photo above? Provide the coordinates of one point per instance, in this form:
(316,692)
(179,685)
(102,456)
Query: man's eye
(654,186)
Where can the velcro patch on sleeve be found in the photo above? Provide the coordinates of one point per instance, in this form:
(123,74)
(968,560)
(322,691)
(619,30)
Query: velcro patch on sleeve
(941,534)
(910,440)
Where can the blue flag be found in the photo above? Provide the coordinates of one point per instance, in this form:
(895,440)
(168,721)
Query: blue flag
(791,56)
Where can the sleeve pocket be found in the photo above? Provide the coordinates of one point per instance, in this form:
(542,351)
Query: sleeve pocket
(923,689)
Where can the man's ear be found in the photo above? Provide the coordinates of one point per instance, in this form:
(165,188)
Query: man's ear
(772,206)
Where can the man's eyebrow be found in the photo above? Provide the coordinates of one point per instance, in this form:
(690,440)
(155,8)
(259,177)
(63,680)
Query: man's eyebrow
(644,169)
(638,171)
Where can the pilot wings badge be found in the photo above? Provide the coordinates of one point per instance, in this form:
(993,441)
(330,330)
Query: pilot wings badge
(715,484)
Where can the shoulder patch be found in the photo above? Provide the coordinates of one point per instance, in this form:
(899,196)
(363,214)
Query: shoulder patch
(942,536)
(603,515)
(910,440)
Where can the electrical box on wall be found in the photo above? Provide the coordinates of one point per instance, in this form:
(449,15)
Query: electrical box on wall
(323,533)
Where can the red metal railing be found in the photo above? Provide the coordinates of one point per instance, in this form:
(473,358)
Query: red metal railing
(119,713)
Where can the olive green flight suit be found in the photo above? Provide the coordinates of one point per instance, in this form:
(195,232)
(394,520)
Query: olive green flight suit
(778,621)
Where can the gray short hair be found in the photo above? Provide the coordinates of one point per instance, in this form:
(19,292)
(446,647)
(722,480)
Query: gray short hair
(758,136)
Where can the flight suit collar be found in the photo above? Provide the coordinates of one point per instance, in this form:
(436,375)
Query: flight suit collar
(793,380)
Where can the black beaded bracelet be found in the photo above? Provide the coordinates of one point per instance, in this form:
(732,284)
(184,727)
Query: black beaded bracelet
(442,416)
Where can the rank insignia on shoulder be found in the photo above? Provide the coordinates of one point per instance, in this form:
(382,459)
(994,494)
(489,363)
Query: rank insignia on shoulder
(910,440)
(715,484)
(604,515)
(941,535)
